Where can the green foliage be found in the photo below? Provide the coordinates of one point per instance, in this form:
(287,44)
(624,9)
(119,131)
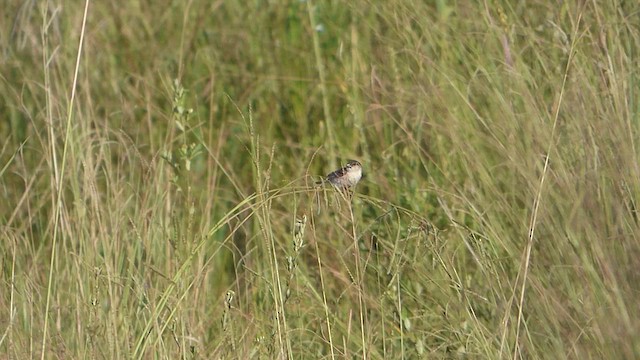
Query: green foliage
(497,217)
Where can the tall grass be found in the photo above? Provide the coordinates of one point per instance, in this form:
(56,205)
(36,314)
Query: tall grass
(169,209)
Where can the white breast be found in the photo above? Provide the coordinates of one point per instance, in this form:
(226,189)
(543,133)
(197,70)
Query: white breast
(354,175)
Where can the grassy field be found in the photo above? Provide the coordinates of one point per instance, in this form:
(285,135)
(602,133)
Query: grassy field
(158,160)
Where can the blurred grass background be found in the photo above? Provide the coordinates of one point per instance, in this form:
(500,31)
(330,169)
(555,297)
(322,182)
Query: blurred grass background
(169,212)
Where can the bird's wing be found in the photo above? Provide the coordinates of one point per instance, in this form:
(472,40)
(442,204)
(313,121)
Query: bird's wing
(336,174)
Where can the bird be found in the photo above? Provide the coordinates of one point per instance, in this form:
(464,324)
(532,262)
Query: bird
(346,177)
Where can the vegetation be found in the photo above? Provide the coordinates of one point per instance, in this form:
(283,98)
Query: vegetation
(158,168)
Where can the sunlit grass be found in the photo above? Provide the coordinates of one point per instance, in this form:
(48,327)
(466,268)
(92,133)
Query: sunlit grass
(497,217)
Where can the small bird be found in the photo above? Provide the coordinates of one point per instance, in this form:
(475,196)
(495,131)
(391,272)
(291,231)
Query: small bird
(347,176)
